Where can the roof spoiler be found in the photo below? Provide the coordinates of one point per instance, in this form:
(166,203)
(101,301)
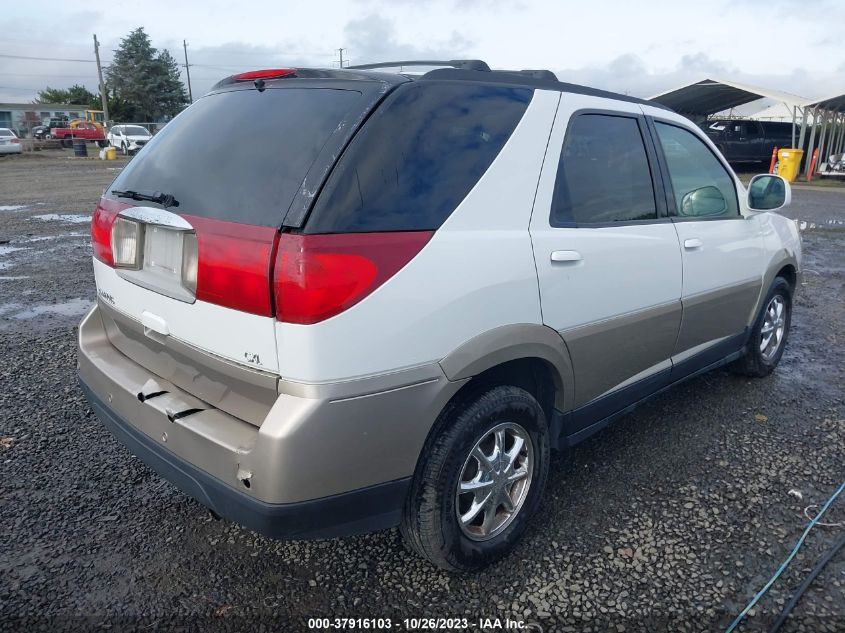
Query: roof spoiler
(463,64)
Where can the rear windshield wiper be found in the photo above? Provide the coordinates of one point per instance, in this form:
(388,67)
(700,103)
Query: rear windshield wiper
(164,199)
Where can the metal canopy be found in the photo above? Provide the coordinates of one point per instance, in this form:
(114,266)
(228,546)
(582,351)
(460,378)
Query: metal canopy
(832,104)
(709,96)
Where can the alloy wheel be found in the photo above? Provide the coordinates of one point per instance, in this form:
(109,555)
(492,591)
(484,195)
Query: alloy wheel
(494,481)
(774,324)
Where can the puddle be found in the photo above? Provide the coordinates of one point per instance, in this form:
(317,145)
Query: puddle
(64,217)
(821,224)
(42,238)
(74,307)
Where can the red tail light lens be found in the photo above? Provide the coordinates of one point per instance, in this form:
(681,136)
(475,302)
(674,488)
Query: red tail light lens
(101,225)
(269,73)
(319,276)
(234,263)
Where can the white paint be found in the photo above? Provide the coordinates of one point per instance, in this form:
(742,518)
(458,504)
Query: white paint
(229,333)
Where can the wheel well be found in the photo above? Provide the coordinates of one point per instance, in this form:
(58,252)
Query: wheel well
(535,375)
(788,273)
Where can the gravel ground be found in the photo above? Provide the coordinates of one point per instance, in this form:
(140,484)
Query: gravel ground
(669,520)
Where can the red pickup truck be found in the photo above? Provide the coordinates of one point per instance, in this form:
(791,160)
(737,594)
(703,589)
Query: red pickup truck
(88,131)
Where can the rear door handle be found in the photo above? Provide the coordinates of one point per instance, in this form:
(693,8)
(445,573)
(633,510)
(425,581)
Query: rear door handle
(692,243)
(566,256)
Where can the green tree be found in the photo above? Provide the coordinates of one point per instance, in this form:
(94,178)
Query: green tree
(145,82)
(76,95)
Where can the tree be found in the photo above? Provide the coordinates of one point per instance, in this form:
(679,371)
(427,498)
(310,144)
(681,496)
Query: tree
(144,81)
(75,95)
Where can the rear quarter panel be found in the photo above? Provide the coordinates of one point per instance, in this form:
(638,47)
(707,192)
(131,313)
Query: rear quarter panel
(477,273)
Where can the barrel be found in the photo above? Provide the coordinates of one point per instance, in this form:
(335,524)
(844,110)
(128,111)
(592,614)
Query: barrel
(80,147)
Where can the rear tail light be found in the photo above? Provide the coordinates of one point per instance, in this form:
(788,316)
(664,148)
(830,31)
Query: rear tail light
(234,264)
(301,279)
(126,243)
(16,141)
(319,276)
(101,224)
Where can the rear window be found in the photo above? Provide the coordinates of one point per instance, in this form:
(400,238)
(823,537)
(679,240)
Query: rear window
(417,157)
(239,156)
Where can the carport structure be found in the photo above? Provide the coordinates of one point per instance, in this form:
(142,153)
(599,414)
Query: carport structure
(825,118)
(829,114)
(699,100)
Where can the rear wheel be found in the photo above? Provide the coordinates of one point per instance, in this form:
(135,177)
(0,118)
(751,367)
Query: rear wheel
(479,481)
(770,332)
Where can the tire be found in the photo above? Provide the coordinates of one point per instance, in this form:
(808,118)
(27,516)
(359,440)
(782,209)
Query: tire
(48,136)
(757,361)
(101,143)
(124,149)
(430,524)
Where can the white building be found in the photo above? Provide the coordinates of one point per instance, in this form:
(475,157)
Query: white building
(23,116)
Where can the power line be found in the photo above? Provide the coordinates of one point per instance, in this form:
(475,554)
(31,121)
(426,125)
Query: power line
(47,59)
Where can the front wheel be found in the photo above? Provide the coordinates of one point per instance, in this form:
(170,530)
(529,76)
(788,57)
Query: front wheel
(770,332)
(124,149)
(479,481)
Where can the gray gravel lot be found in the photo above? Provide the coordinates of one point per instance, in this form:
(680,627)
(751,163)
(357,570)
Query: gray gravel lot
(670,520)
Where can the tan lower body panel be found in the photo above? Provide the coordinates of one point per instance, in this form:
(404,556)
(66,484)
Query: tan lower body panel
(315,441)
(717,314)
(606,354)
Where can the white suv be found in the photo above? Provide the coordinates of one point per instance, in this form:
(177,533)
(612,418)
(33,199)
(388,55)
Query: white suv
(393,301)
(128,138)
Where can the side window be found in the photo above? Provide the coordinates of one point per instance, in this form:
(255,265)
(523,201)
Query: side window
(417,157)
(701,184)
(752,129)
(603,174)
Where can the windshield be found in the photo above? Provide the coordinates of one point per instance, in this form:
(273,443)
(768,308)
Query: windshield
(242,155)
(135,130)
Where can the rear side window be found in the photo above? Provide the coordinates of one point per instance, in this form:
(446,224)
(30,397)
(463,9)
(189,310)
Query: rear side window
(603,174)
(239,156)
(417,157)
(701,184)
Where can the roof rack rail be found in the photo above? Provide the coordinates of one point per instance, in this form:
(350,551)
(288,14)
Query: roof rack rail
(463,64)
(548,75)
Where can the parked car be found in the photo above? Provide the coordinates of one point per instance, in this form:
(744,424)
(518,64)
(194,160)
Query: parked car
(128,138)
(411,288)
(79,130)
(746,141)
(9,142)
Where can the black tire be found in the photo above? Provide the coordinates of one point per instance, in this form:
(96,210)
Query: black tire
(101,143)
(67,142)
(754,363)
(429,523)
(124,149)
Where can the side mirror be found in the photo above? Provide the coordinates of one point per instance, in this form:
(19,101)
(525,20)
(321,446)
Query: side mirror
(768,192)
(703,202)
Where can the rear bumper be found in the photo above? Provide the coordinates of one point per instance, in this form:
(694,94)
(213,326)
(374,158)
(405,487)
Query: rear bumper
(374,508)
(327,460)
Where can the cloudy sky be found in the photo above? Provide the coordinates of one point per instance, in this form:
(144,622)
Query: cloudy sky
(619,45)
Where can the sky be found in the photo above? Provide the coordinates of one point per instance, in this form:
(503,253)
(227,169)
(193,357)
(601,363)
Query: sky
(640,48)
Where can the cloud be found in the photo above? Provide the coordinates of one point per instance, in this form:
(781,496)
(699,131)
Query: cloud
(630,74)
(372,38)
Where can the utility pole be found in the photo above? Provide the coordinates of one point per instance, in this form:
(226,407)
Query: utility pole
(340,52)
(188,71)
(103,97)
